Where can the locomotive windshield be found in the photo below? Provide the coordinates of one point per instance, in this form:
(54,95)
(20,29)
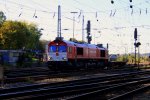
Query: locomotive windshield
(62,48)
(53,48)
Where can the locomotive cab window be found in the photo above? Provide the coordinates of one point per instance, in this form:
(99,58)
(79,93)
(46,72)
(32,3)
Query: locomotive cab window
(102,53)
(79,51)
(53,48)
(62,48)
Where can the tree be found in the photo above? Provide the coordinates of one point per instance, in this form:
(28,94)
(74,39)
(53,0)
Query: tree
(42,44)
(75,40)
(34,36)
(2,18)
(18,35)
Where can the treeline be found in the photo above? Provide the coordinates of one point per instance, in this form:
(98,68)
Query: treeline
(19,35)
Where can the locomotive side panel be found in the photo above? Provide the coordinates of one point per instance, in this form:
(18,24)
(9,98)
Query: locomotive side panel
(71,52)
(92,53)
(85,52)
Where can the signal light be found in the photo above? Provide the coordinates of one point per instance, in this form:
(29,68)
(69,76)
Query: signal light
(137,44)
(112,2)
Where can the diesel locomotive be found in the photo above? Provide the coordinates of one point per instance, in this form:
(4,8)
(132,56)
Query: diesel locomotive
(64,54)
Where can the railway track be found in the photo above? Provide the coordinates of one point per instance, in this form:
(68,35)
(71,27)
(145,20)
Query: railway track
(129,94)
(22,75)
(115,92)
(25,72)
(13,76)
(45,71)
(76,89)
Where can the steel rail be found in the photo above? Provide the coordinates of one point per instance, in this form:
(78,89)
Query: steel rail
(130,93)
(75,82)
(90,94)
(56,91)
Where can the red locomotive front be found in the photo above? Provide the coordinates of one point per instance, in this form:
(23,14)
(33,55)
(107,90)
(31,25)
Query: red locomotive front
(57,51)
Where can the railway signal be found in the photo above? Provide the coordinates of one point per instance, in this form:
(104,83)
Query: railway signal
(89,37)
(149,59)
(135,34)
(88,27)
(135,44)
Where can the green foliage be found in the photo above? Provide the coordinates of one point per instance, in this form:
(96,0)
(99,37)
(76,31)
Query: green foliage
(126,57)
(42,44)
(130,58)
(2,18)
(75,40)
(122,58)
(144,59)
(18,35)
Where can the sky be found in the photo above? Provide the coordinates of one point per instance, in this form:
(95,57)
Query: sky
(110,23)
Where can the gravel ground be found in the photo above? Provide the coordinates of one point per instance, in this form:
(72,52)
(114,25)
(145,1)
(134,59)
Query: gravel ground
(76,77)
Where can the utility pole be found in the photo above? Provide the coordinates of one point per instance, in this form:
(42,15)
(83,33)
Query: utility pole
(135,37)
(83,29)
(89,37)
(59,23)
(73,22)
(149,59)
(136,44)
(138,50)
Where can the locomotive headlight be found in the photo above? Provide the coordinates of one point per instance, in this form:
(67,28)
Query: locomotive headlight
(64,58)
(50,58)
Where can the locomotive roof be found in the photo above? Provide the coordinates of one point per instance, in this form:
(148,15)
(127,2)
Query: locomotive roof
(69,42)
(83,44)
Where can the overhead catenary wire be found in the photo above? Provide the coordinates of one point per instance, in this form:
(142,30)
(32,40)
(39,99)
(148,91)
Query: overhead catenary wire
(46,11)
(50,14)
